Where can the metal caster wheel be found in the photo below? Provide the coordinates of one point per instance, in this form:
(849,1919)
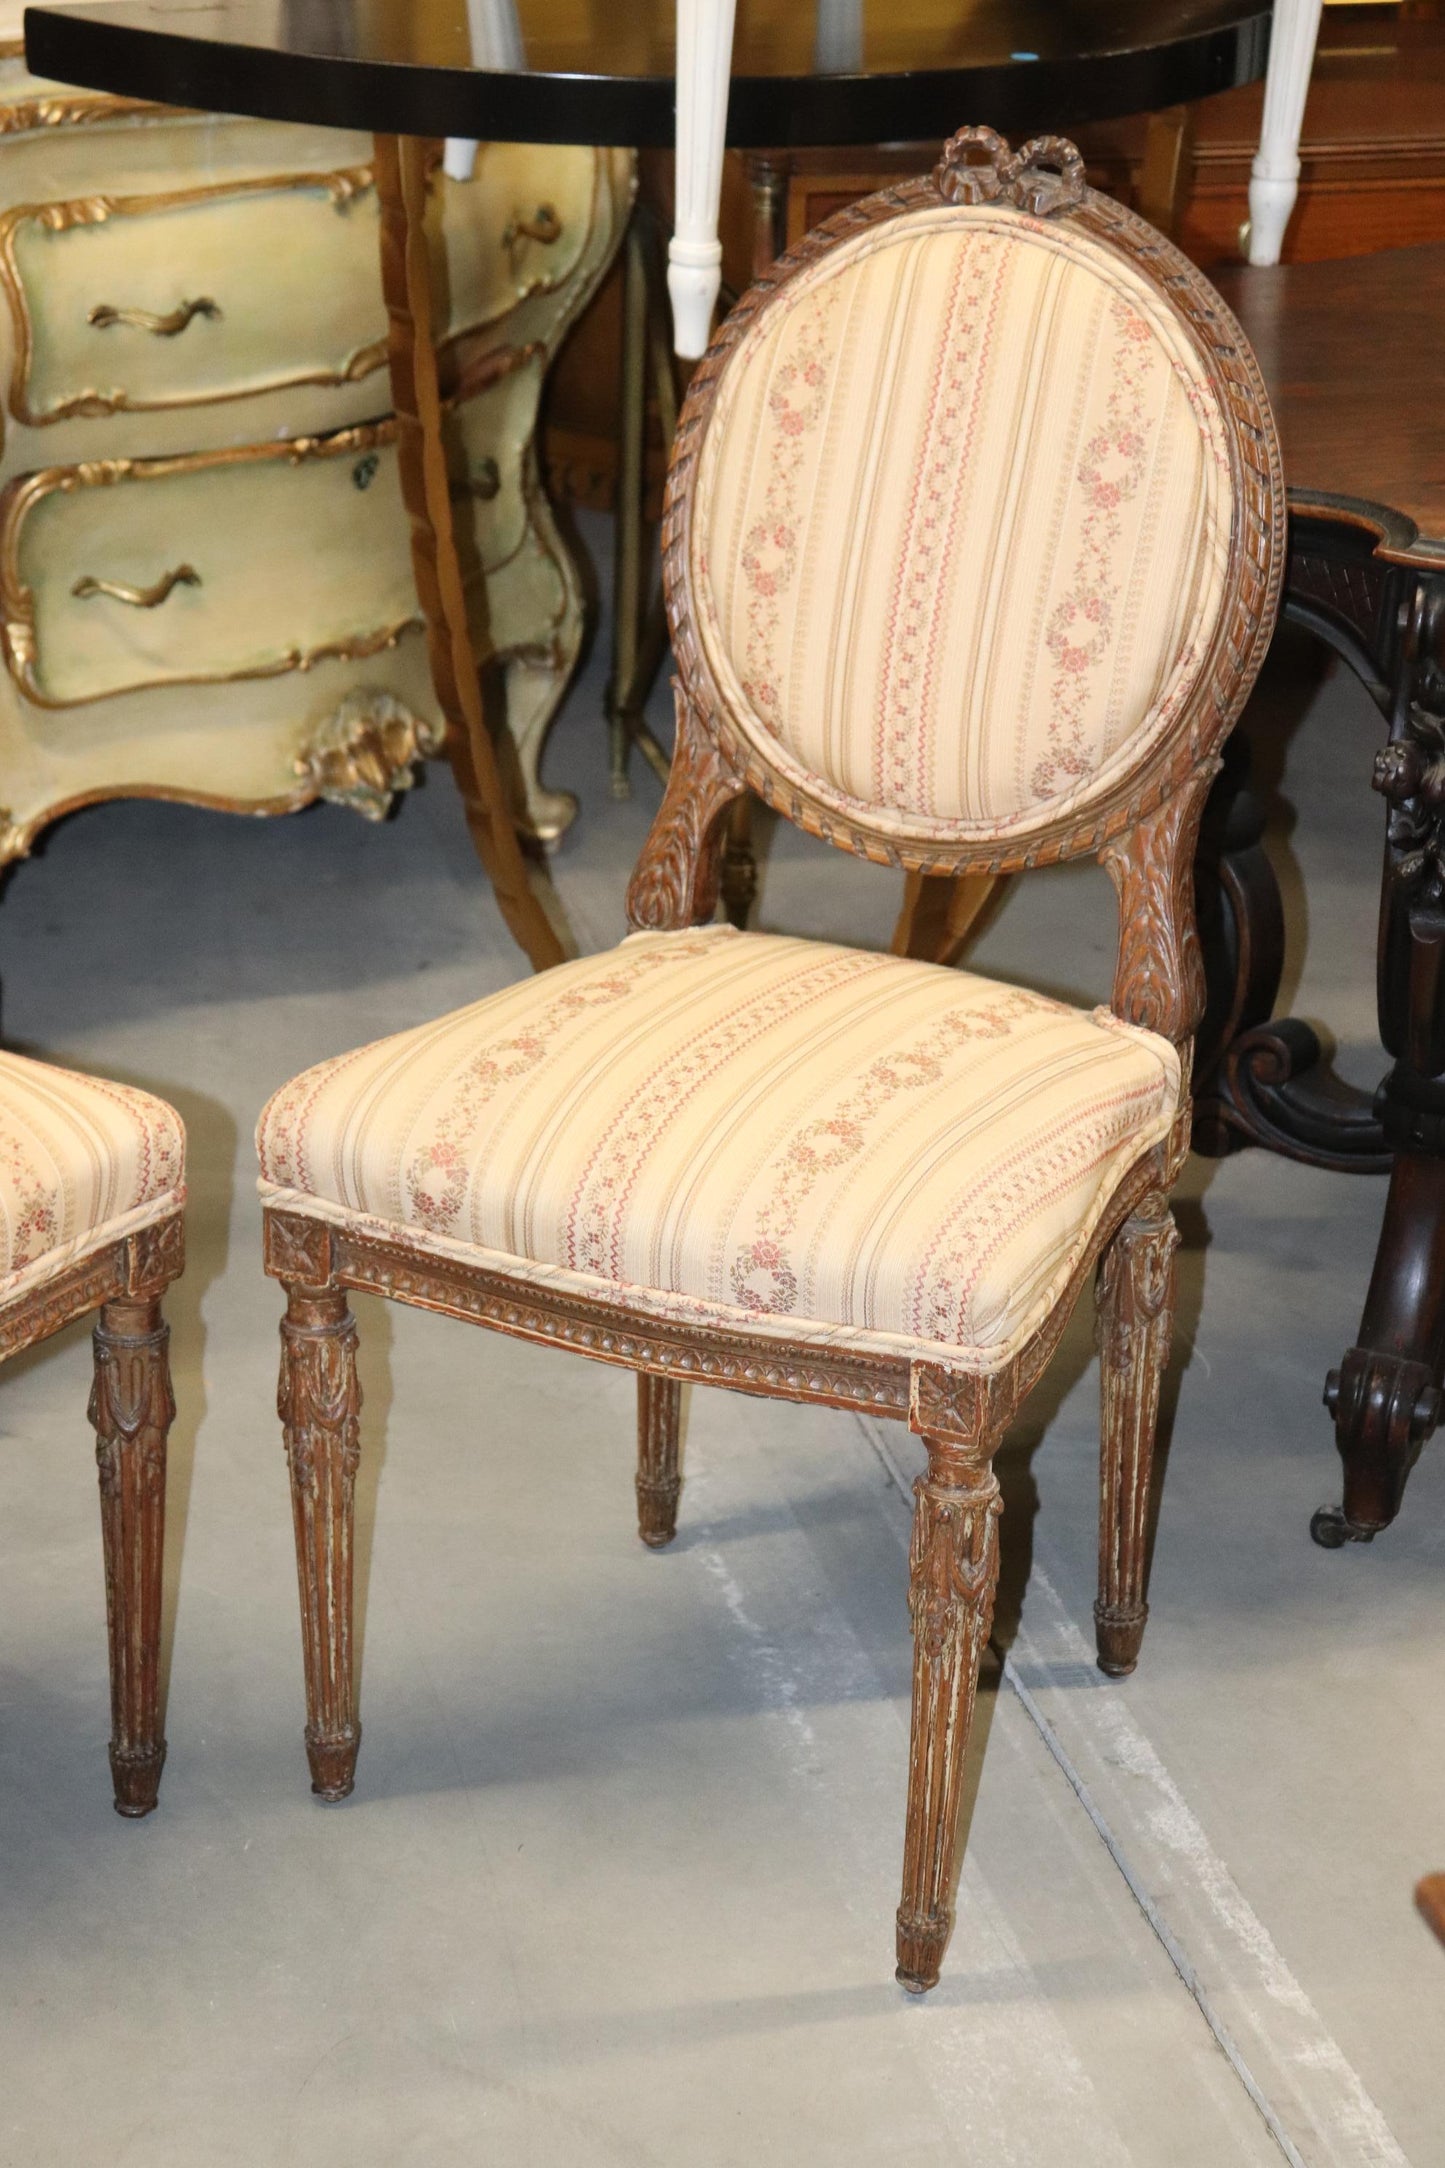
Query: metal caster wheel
(1331,1531)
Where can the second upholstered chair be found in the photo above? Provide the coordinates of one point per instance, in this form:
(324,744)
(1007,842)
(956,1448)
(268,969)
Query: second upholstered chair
(972,548)
(92,1191)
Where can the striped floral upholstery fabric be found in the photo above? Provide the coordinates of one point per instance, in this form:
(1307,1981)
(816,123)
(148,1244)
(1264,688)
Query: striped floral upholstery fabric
(832,1145)
(961,524)
(82,1162)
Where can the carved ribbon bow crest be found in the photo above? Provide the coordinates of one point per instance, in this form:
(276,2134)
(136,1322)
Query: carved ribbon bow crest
(1045,177)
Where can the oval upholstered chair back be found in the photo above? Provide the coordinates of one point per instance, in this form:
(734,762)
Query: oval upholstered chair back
(975,521)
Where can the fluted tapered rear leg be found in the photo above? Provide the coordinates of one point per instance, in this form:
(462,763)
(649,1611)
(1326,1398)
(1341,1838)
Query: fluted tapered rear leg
(132,1409)
(1135,1296)
(952,1579)
(319,1404)
(659,1414)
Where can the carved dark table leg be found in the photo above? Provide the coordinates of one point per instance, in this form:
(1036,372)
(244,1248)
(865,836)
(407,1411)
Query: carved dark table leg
(1385,1396)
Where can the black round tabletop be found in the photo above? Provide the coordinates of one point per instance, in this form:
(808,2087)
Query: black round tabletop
(600,71)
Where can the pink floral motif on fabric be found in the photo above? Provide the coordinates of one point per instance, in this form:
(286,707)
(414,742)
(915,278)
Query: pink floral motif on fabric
(901,751)
(438,1173)
(35,1227)
(797,396)
(763,1277)
(1082,626)
(941,1301)
(596,1225)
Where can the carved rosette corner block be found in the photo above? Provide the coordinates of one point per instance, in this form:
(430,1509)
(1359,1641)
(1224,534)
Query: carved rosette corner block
(676,881)
(659,1416)
(952,1578)
(366,751)
(155,1255)
(1135,1293)
(131,1411)
(319,1401)
(1045,177)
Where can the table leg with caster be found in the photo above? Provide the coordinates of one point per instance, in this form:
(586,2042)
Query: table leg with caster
(1385,1397)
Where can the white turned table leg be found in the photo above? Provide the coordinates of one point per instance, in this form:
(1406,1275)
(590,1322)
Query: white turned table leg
(1275,180)
(496,43)
(694,254)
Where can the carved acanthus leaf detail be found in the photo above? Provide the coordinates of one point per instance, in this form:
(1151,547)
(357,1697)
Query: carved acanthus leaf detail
(366,751)
(953,1563)
(131,1403)
(318,1393)
(676,881)
(1159,979)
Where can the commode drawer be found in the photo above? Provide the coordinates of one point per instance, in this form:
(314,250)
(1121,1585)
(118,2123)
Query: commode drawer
(518,227)
(122,303)
(118,574)
(134,303)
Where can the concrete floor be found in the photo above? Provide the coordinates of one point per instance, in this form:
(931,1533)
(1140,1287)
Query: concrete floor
(617,1882)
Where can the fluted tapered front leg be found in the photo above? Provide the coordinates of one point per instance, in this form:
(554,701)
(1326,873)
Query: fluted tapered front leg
(131,1408)
(952,1578)
(1135,1296)
(659,1415)
(320,1404)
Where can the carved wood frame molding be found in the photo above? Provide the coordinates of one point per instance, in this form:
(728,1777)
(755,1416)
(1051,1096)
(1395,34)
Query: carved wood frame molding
(1144,825)
(135,1268)
(968,1408)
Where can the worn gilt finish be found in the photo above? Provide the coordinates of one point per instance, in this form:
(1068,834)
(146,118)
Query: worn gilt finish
(341,187)
(320,1405)
(1145,830)
(131,1410)
(1135,1296)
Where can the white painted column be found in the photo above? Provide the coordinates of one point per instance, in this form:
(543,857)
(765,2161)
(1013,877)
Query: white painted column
(694,254)
(496,43)
(1275,181)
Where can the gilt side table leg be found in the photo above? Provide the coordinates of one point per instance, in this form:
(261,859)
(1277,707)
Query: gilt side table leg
(407,286)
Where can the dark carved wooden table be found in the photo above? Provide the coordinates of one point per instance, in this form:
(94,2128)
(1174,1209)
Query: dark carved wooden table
(1351,353)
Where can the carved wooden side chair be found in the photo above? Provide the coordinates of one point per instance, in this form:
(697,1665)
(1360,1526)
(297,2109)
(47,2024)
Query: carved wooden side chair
(92,1191)
(973,542)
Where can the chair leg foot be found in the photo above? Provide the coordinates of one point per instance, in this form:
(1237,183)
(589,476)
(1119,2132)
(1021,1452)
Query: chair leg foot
(333,1763)
(659,1411)
(1119,1635)
(131,1409)
(319,1403)
(136,1776)
(952,1580)
(921,1944)
(1135,1295)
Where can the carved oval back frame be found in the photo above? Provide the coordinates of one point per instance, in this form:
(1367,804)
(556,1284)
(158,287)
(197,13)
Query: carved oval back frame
(1044,180)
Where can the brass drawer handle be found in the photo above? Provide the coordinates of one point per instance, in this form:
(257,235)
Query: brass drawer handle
(545,227)
(103,315)
(139,598)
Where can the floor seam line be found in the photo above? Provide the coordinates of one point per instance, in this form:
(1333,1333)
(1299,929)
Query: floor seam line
(1172,1948)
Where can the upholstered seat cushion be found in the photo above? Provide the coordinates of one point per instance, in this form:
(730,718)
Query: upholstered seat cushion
(808,1140)
(82,1162)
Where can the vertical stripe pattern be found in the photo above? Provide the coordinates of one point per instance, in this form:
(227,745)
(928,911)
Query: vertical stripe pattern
(81,1162)
(961,523)
(767,1128)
